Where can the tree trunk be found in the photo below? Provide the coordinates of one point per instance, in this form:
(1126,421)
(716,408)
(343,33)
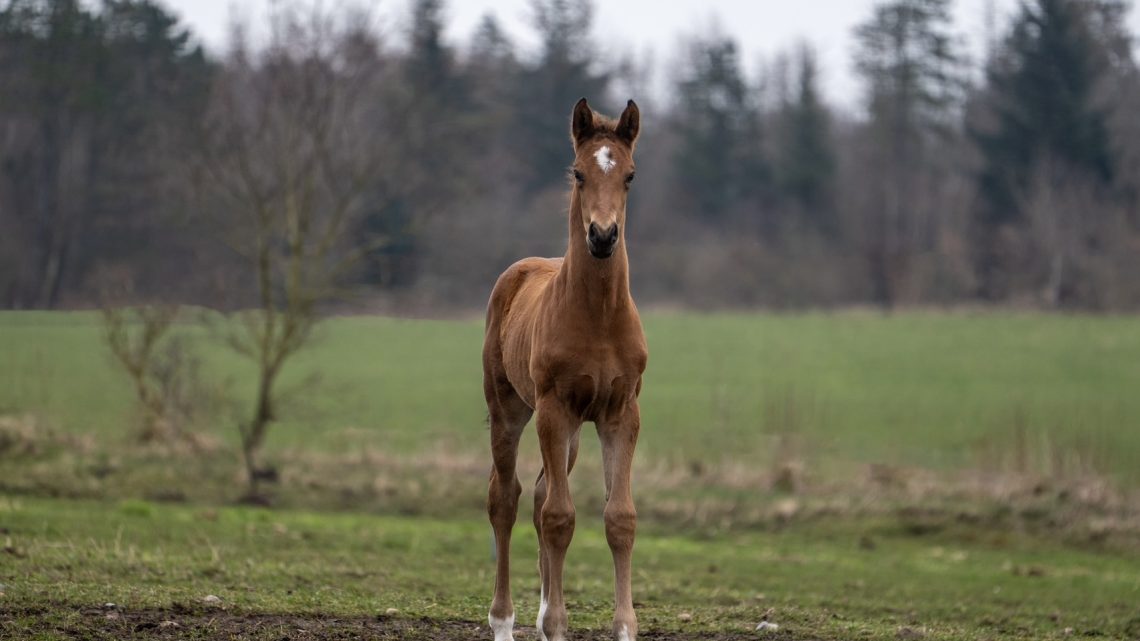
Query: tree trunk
(48,296)
(249,456)
(50,217)
(882,282)
(254,435)
(1056,278)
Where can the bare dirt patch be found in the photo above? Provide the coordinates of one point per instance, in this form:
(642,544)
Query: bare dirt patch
(180,622)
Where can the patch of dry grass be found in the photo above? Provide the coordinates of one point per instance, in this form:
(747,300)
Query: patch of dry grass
(671,496)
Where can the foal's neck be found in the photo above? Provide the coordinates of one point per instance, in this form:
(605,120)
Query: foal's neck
(599,286)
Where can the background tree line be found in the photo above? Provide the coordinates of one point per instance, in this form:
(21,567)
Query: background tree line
(411,170)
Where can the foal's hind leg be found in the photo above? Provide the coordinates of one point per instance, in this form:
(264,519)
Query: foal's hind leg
(509,415)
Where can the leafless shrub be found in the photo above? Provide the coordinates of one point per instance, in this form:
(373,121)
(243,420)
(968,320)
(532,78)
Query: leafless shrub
(787,421)
(165,374)
(886,476)
(1076,242)
(20,436)
(1053,452)
(711,270)
(133,336)
(27,435)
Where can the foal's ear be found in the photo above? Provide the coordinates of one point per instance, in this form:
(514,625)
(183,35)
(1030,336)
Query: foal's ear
(630,124)
(581,122)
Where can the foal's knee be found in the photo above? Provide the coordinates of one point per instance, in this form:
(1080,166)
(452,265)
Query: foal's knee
(503,497)
(621,526)
(557,526)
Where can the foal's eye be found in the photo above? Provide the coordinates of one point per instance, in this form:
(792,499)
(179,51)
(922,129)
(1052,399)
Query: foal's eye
(579,177)
(629,179)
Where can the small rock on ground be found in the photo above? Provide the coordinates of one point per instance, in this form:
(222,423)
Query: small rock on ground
(767,626)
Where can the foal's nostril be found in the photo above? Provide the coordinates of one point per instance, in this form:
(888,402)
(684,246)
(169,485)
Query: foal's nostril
(603,238)
(602,242)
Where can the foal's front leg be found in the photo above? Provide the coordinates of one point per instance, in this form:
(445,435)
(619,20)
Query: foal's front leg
(557,432)
(619,438)
(539,501)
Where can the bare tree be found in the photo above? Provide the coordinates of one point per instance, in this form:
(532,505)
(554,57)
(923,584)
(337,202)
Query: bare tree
(287,159)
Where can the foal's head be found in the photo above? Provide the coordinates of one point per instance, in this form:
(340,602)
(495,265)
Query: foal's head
(603,172)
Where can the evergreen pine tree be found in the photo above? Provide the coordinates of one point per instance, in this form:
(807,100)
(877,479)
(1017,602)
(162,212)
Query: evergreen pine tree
(1041,91)
(806,167)
(547,90)
(718,162)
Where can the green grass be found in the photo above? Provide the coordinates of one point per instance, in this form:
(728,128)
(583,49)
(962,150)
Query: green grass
(940,391)
(817,581)
(990,520)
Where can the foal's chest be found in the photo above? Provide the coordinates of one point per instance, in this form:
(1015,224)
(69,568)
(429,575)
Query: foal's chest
(596,396)
(593,383)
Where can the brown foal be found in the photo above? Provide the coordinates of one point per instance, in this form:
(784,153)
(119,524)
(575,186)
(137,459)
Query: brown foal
(564,339)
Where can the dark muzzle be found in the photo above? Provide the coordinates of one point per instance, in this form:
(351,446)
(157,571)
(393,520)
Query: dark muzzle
(602,242)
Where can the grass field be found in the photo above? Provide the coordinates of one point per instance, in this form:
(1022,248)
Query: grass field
(941,391)
(922,475)
(157,563)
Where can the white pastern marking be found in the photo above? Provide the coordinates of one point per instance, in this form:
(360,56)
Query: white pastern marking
(541,616)
(503,628)
(623,635)
(605,160)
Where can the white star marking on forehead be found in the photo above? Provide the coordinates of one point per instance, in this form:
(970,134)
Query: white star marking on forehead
(605,160)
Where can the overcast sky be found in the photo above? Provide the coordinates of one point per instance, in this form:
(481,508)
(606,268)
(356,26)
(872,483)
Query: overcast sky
(654,27)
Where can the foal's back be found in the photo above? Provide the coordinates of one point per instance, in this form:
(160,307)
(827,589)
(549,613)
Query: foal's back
(511,314)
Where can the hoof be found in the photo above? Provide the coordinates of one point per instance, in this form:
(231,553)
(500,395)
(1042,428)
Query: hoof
(503,628)
(624,632)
